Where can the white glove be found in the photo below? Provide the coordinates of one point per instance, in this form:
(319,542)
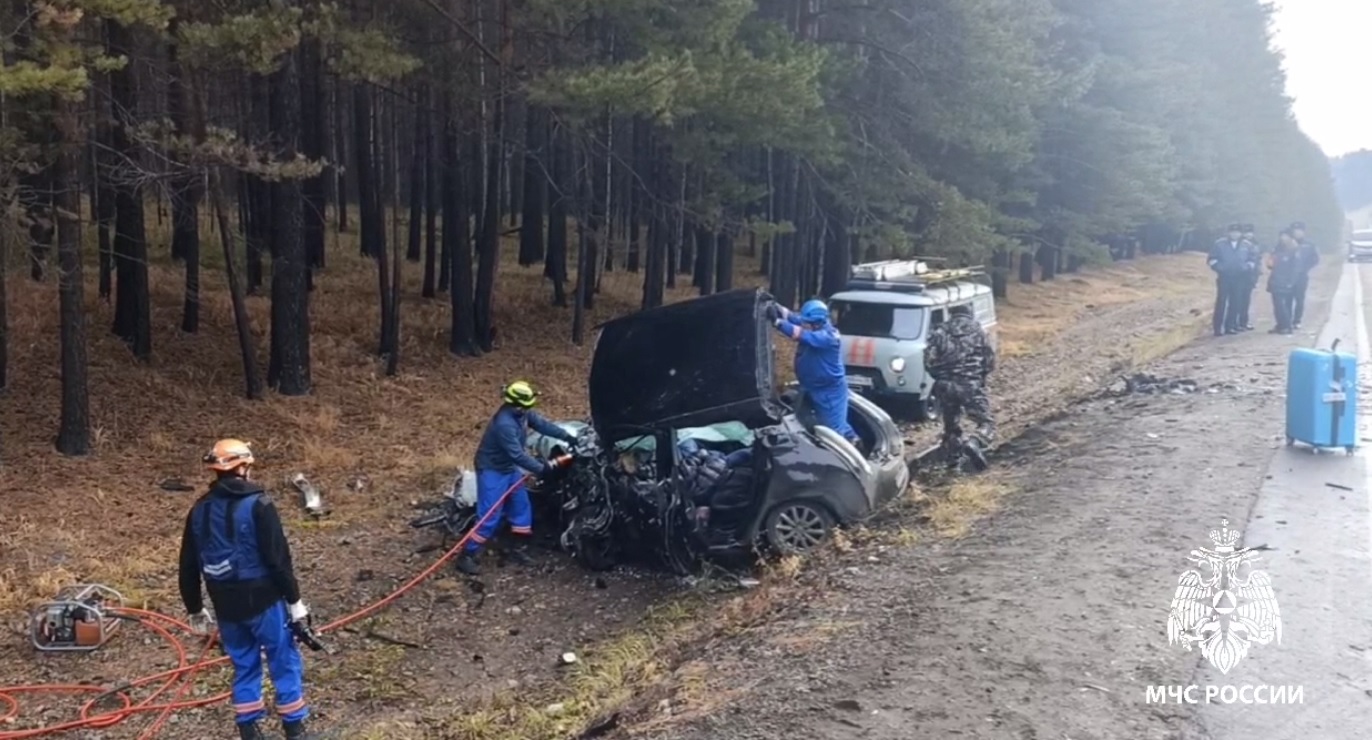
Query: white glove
(298,611)
(201,623)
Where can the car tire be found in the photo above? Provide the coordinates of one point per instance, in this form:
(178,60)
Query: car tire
(798,526)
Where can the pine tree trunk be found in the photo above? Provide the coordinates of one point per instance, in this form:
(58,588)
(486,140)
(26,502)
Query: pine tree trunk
(433,194)
(132,305)
(457,247)
(417,190)
(104,193)
(73,435)
(314,145)
(1026,267)
(489,254)
(289,367)
(370,228)
(724,262)
(535,189)
(186,192)
(705,260)
(4,304)
(252,383)
(555,264)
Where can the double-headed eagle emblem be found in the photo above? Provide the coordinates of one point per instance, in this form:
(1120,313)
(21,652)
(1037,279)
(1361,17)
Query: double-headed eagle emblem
(1224,606)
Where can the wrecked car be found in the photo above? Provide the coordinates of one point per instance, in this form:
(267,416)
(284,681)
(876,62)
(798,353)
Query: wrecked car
(692,452)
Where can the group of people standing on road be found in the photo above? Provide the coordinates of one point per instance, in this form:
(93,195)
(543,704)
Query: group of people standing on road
(1238,261)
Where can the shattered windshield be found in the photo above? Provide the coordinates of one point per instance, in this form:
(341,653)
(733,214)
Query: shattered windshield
(878,320)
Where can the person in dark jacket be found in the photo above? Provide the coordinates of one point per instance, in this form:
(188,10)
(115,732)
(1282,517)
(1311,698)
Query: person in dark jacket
(233,538)
(1255,254)
(959,357)
(1309,258)
(1284,275)
(502,464)
(819,362)
(1231,261)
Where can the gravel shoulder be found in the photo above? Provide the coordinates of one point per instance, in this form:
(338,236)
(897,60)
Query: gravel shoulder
(1049,619)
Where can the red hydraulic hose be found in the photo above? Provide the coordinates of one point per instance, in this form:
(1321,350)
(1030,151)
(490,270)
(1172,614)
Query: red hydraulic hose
(185,671)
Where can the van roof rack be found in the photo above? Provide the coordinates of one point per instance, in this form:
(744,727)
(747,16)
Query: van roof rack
(906,276)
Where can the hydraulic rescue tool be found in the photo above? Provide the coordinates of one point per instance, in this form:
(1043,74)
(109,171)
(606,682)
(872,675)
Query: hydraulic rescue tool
(80,618)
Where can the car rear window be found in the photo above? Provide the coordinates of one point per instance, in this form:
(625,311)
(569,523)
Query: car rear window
(879,320)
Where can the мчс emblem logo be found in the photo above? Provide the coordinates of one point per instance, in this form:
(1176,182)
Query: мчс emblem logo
(1224,605)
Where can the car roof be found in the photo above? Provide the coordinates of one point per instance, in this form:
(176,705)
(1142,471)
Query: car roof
(933,296)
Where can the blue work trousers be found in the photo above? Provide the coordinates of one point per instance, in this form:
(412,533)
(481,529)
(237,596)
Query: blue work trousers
(490,486)
(245,642)
(830,406)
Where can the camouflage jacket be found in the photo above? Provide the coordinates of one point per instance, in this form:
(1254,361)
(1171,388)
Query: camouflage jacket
(958,350)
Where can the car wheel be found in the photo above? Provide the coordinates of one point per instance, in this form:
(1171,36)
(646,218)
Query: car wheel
(927,409)
(797,527)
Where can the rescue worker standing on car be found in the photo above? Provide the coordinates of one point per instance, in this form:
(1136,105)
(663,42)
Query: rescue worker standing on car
(959,357)
(819,362)
(233,536)
(502,464)
(1309,257)
(1250,241)
(1229,258)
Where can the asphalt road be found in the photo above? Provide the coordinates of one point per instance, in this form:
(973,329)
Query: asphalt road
(1313,511)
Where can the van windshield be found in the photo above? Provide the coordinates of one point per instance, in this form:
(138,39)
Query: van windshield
(878,320)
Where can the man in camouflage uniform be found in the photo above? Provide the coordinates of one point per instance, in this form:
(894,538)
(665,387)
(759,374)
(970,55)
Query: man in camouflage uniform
(959,357)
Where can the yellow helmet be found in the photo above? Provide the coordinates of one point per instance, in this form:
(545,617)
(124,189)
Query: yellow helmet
(228,454)
(521,394)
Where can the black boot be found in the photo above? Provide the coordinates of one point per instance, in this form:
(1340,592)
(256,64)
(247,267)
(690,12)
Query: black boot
(519,555)
(250,731)
(466,563)
(296,730)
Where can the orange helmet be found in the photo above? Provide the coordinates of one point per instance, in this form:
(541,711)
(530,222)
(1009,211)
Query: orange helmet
(228,454)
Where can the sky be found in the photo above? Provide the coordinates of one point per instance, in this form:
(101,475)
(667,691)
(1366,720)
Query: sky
(1328,70)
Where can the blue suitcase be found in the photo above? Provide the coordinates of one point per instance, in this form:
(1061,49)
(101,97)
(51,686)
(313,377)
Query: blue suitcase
(1322,398)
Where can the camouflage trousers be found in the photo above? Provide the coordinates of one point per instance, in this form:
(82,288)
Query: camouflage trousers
(958,397)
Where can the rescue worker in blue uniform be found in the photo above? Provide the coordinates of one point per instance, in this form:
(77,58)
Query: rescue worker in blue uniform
(819,362)
(1231,260)
(1309,257)
(502,462)
(233,540)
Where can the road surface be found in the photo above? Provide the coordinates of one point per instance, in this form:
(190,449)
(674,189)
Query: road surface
(1049,622)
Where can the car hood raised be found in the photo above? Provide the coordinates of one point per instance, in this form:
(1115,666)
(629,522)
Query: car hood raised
(688,364)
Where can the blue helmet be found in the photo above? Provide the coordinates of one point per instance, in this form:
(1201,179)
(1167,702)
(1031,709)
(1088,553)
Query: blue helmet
(814,312)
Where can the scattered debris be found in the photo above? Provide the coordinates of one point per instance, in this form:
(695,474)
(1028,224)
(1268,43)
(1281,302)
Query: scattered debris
(175,485)
(309,494)
(555,710)
(600,727)
(1338,486)
(848,705)
(1148,384)
(567,659)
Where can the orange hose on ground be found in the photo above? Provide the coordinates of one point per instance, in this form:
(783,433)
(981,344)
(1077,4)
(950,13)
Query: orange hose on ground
(184,672)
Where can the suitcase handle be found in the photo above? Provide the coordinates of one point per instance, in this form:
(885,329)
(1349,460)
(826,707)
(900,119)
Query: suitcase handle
(1335,346)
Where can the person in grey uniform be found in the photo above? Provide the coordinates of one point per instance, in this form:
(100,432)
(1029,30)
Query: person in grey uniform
(1230,259)
(1309,258)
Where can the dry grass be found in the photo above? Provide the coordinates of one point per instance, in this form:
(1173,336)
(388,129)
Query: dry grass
(1031,314)
(953,511)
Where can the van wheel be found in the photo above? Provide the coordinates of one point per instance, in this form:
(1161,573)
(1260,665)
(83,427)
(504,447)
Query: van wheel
(797,527)
(927,409)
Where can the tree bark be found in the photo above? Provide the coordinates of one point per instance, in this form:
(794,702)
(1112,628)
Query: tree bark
(73,435)
(417,189)
(724,262)
(314,144)
(457,247)
(132,305)
(289,367)
(555,264)
(535,189)
(252,383)
(186,190)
